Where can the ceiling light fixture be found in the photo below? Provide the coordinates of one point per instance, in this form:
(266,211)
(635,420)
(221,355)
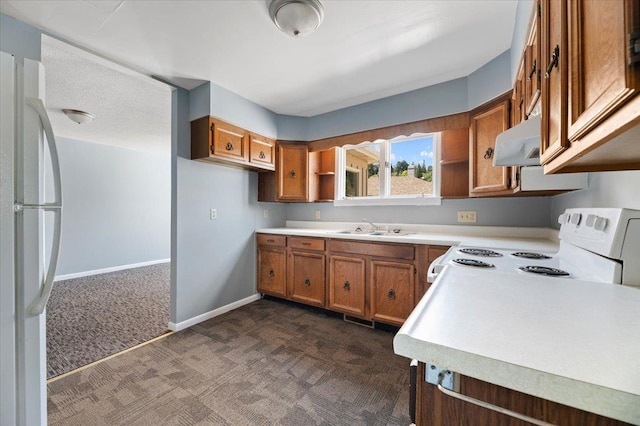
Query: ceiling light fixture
(80,117)
(296,17)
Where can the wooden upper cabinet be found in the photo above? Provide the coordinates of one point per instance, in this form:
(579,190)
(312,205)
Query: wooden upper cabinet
(262,151)
(454,163)
(218,141)
(487,122)
(293,172)
(554,79)
(601,79)
(518,97)
(532,62)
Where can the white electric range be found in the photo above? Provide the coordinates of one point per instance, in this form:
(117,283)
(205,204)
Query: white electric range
(597,244)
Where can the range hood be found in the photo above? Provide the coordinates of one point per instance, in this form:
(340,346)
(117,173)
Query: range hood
(520,145)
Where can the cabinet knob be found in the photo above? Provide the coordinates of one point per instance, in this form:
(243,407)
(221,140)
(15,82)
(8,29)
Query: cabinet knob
(488,153)
(262,155)
(347,286)
(229,146)
(272,273)
(292,173)
(307,281)
(553,62)
(391,294)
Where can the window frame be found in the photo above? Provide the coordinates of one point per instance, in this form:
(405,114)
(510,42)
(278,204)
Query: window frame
(386,199)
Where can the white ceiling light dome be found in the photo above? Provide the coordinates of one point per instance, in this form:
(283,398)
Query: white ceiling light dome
(296,17)
(80,117)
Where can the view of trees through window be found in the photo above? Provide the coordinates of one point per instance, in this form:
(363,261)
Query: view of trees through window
(409,171)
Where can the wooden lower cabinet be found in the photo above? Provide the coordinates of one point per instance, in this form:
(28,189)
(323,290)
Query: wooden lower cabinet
(347,285)
(433,408)
(306,278)
(271,271)
(392,291)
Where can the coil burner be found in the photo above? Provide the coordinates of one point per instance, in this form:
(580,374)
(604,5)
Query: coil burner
(530,255)
(479,252)
(473,262)
(543,270)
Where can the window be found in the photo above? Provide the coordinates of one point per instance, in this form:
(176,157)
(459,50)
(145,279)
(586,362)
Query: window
(403,170)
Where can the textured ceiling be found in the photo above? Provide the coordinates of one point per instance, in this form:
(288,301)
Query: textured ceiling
(132,111)
(364,50)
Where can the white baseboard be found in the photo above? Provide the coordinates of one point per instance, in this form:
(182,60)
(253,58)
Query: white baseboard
(211,314)
(112,269)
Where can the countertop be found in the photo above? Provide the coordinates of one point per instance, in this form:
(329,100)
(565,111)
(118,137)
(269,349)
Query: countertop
(498,237)
(569,341)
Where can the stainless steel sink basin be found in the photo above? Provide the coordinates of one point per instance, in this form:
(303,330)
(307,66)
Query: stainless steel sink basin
(392,233)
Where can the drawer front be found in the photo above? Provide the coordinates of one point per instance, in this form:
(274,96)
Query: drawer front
(394,251)
(272,240)
(435,252)
(261,150)
(229,141)
(306,243)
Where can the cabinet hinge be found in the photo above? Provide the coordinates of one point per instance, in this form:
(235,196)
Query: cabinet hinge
(539,10)
(415,270)
(634,48)
(517,177)
(213,126)
(509,183)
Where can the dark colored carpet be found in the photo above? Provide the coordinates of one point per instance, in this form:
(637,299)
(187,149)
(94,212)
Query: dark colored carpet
(93,317)
(268,362)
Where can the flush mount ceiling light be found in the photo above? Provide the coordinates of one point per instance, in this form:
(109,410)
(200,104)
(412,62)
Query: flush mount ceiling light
(296,17)
(80,117)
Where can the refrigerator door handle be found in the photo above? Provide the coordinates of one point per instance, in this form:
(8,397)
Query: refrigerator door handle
(56,207)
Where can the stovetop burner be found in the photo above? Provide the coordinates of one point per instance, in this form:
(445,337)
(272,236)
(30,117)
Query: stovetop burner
(544,270)
(479,252)
(530,255)
(472,262)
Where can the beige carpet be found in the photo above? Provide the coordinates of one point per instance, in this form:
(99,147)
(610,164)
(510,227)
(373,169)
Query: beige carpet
(270,362)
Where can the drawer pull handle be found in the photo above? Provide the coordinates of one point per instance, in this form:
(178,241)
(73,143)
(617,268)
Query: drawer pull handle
(391,294)
(347,286)
(262,155)
(229,146)
(272,273)
(271,241)
(533,71)
(488,153)
(487,405)
(554,61)
(306,244)
(307,281)
(292,173)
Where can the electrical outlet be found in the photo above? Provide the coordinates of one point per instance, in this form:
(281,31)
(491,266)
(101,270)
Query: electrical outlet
(467,216)
(265,213)
(317,214)
(213,214)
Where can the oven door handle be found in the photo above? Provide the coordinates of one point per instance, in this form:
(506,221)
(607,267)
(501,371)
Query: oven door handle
(431,272)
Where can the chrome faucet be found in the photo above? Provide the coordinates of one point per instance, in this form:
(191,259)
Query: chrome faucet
(375,227)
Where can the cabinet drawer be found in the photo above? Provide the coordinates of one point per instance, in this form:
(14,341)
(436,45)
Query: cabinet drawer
(435,252)
(306,243)
(395,251)
(272,240)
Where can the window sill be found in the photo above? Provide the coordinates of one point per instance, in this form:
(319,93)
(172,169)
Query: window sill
(399,201)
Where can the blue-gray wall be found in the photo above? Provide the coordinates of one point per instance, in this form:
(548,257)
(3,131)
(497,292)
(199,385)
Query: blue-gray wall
(116,206)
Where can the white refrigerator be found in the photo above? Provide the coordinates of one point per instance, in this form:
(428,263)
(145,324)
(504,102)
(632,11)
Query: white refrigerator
(30,221)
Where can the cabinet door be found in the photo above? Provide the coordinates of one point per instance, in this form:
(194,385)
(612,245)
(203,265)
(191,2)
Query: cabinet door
(532,63)
(601,77)
(554,82)
(262,151)
(293,170)
(229,141)
(306,281)
(347,285)
(518,98)
(392,291)
(272,271)
(485,126)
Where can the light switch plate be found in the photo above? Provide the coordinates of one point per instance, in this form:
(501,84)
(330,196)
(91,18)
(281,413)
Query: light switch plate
(265,213)
(317,214)
(213,214)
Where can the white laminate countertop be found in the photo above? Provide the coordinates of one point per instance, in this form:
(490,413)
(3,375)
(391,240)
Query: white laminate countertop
(497,237)
(569,341)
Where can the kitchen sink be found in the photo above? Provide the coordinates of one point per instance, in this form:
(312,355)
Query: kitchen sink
(392,233)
